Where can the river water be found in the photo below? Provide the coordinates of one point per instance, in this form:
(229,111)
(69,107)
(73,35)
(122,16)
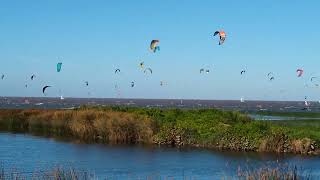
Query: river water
(27,154)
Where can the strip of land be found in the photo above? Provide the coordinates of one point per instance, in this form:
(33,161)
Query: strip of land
(208,128)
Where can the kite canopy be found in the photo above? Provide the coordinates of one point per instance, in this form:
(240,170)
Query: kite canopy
(44,89)
(299,72)
(2,76)
(222,35)
(315,80)
(132,84)
(148,70)
(117,71)
(243,72)
(59,66)
(202,70)
(32,77)
(87,83)
(141,65)
(154,45)
(270,76)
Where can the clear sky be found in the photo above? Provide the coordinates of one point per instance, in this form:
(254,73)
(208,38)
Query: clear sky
(96,37)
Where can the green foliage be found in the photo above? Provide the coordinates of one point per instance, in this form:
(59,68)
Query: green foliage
(298,129)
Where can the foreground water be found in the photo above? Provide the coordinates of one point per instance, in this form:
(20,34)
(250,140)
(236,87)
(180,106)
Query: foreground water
(29,154)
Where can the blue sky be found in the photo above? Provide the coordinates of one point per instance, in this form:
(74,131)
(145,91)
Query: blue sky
(96,37)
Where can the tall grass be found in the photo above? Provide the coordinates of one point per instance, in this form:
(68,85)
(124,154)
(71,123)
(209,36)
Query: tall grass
(279,172)
(54,174)
(87,125)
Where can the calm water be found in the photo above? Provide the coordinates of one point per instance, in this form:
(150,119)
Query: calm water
(279,118)
(28,154)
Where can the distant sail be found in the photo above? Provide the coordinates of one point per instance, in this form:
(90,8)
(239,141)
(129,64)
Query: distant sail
(306,103)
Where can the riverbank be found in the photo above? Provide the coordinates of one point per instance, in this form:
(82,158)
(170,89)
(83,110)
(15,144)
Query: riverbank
(208,128)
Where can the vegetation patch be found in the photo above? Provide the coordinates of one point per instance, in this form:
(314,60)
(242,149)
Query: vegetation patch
(210,128)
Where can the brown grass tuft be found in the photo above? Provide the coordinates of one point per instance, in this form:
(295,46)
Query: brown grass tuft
(87,125)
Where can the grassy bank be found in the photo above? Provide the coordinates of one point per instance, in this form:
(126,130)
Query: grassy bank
(200,128)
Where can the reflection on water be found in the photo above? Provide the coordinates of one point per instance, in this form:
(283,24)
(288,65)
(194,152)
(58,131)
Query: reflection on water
(28,153)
